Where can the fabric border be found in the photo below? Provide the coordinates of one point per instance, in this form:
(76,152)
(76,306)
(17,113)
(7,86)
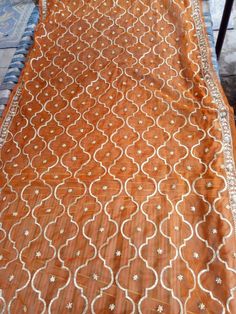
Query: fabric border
(11,112)
(43,4)
(212,82)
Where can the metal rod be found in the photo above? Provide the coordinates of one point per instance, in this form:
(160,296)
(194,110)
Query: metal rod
(223,26)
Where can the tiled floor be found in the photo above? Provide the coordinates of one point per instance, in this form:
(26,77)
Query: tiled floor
(227,62)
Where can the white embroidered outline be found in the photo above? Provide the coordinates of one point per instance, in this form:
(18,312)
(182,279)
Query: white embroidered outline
(207,71)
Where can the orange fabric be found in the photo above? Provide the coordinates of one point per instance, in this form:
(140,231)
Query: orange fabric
(118,187)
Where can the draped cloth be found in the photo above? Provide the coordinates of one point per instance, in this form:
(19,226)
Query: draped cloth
(117,165)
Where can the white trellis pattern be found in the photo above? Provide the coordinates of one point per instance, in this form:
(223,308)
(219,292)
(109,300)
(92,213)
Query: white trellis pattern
(117,166)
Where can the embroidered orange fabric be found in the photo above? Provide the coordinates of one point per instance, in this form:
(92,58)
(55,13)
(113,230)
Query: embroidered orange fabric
(117,166)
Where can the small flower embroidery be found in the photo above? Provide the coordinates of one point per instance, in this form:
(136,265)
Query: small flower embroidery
(180,277)
(160,308)
(135,277)
(38,254)
(11,278)
(69,305)
(202,306)
(26,233)
(52,279)
(209,185)
(95,276)
(112,307)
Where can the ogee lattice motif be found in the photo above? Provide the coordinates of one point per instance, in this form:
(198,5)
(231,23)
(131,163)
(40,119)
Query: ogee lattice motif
(115,193)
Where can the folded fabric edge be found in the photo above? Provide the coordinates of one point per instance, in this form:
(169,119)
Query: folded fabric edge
(209,27)
(225,111)
(210,33)
(18,61)
(42,9)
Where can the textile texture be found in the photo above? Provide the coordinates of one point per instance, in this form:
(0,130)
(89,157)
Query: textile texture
(14,15)
(117,165)
(17,62)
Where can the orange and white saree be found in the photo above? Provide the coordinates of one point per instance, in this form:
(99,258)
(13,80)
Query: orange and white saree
(117,166)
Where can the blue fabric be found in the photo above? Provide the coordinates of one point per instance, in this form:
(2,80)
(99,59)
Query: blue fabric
(14,15)
(18,61)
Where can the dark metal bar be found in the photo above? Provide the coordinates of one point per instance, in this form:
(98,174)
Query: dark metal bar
(223,26)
